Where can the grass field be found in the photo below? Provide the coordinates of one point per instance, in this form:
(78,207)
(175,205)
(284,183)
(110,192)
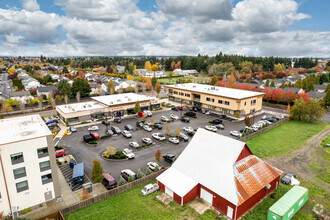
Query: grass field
(284,138)
(132,205)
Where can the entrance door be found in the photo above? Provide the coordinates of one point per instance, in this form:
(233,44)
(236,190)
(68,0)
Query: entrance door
(229,212)
(168,191)
(48,195)
(208,197)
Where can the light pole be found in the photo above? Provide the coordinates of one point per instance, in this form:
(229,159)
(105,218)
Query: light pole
(181,109)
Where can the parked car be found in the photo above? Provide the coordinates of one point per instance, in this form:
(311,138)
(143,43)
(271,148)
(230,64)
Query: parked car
(109,131)
(265,117)
(87,138)
(128,153)
(95,135)
(105,122)
(184,119)
(174,140)
(180,108)
(93,128)
(174,109)
(184,137)
(147,128)
(128,127)
(52,125)
(288,178)
(235,133)
(191,133)
(147,140)
(158,126)
(72,129)
(223,116)
(169,158)
(139,124)
(220,126)
(142,114)
(127,173)
(150,188)
(164,118)
(126,134)
(149,113)
(117,120)
(190,114)
(217,121)
(211,128)
(51,121)
(108,181)
(60,153)
(49,107)
(158,136)
(175,117)
(187,129)
(152,165)
(147,123)
(115,130)
(133,144)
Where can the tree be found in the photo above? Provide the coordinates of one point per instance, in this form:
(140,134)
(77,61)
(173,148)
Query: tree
(111,87)
(78,96)
(131,68)
(305,96)
(22,106)
(122,181)
(130,178)
(158,155)
(267,83)
(154,81)
(177,132)
(326,99)
(306,111)
(82,86)
(66,99)
(167,129)
(248,121)
(298,83)
(147,65)
(272,84)
(65,70)
(232,81)
(85,194)
(130,77)
(148,83)
(173,65)
(6,108)
(143,119)
(11,70)
(152,121)
(154,67)
(110,151)
(158,88)
(97,171)
(246,67)
(64,87)
(315,111)
(148,171)
(278,95)
(139,174)
(289,96)
(214,80)
(137,107)
(288,109)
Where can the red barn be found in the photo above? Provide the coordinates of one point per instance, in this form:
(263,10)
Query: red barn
(222,171)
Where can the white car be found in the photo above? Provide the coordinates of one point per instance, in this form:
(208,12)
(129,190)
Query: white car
(174,140)
(126,134)
(147,128)
(158,136)
(235,133)
(164,118)
(175,117)
(128,153)
(150,188)
(211,128)
(152,165)
(147,123)
(147,140)
(188,129)
(133,144)
(94,128)
(149,113)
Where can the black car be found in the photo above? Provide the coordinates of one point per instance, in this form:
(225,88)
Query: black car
(116,130)
(117,119)
(158,126)
(174,109)
(105,122)
(223,116)
(217,121)
(109,131)
(169,158)
(185,120)
(183,137)
(191,114)
(287,178)
(128,127)
(139,124)
(191,133)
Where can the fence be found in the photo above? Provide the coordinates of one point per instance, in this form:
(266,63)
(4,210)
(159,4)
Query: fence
(264,129)
(110,193)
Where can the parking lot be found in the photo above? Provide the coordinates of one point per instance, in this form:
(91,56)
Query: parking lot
(5,88)
(82,152)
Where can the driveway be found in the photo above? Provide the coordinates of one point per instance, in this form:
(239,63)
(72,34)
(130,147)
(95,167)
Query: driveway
(74,145)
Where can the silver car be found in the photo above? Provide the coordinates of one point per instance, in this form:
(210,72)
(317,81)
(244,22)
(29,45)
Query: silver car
(174,140)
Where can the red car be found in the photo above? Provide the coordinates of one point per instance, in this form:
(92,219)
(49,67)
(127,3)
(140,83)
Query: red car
(180,108)
(49,107)
(60,153)
(95,135)
(142,114)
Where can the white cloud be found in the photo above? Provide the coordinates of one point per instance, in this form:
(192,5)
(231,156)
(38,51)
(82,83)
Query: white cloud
(30,5)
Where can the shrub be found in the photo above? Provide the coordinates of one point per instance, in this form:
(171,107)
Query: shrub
(92,142)
(41,205)
(58,147)
(194,116)
(84,122)
(148,171)
(105,136)
(130,179)
(122,181)
(24,211)
(65,161)
(156,169)
(139,174)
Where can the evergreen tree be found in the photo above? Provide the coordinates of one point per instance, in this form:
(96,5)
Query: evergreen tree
(272,84)
(267,83)
(137,107)
(64,87)
(122,181)
(139,174)
(154,81)
(82,86)
(111,87)
(214,80)
(97,171)
(148,171)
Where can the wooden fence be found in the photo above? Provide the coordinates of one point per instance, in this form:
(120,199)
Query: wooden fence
(110,193)
(264,129)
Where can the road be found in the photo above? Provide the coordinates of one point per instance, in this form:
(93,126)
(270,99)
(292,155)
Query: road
(74,145)
(5,88)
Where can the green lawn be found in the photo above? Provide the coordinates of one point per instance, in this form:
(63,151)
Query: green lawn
(284,138)
(132,205)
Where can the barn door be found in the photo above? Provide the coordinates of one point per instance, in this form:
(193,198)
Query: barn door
(168,191)
(206,196)
(229,212)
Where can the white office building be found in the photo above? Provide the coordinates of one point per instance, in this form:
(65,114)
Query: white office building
(28,170)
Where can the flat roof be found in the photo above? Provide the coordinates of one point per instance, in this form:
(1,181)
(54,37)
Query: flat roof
(124,98)
(82,106)
(216,90)
(22,128)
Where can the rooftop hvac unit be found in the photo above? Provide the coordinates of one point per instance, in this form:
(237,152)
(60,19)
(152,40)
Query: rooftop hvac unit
(84,106)
(267,187)
(118,100)
(89,105)
(111,102)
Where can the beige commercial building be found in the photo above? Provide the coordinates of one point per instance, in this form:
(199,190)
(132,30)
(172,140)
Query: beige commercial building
(107,106)
(221,100)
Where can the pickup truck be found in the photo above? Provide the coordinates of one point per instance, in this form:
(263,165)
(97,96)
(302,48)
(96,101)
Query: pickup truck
(150,188)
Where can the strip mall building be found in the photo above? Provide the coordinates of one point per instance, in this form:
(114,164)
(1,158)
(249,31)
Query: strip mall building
(232,102)
(107,106)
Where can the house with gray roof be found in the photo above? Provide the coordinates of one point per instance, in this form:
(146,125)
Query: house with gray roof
(46,90)
(317,95)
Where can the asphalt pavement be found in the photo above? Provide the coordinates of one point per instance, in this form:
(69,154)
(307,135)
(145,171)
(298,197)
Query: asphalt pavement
(5,87)
(82,152)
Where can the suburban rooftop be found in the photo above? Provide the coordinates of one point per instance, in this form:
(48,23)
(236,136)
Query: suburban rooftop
(216,90)
(22,128)
(82,106)
(124,98)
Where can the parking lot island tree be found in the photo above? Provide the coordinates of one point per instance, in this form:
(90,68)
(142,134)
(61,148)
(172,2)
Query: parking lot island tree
(130,178)
(139,174)
(158,88)
(110,151)
(121,181)
(248,121)
(152,121)
(148,171)
(97,171)
(177,132)
(158,155)
(156,169)
(143,119)
(137,107)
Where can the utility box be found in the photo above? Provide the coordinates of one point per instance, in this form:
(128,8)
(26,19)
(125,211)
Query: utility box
(287,206)
(88,186)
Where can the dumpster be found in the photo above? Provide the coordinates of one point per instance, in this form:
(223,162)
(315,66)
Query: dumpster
(289,204)
(72,163)
(88,186)
(78,173)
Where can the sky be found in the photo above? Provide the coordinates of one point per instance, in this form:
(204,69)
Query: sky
(286,28)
